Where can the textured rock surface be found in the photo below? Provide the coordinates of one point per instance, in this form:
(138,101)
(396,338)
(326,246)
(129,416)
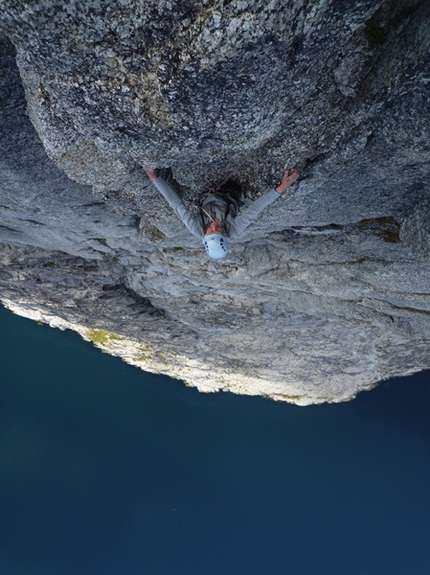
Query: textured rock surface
(328,292)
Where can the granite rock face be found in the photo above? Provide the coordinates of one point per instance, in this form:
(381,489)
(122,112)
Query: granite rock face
(327,292)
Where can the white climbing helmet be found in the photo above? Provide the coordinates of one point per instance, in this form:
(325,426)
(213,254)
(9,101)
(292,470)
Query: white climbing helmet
(216,246)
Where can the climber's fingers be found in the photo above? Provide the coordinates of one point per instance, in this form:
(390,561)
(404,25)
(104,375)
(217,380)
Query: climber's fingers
(151,173)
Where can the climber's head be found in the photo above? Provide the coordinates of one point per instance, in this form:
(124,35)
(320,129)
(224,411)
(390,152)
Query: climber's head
(216,245)
(214,228)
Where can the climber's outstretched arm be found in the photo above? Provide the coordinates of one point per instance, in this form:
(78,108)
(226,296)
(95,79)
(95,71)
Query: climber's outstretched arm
(191,221)
(253,210)
(248,215)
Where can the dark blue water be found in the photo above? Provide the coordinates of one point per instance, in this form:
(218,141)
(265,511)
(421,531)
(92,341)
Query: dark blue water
(107,470)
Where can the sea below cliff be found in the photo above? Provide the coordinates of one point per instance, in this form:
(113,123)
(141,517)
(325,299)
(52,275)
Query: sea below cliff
(105,469)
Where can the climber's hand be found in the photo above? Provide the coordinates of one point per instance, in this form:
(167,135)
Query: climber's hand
(151,173)
(287,180)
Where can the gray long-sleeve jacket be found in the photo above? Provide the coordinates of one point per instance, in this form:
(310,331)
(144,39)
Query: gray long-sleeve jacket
(236,225)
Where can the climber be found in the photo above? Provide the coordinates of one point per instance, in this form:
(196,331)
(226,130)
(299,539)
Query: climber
(219,220)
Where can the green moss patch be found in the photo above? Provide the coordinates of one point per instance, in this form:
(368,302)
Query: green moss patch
(387,228)
(102,337)
(145,358)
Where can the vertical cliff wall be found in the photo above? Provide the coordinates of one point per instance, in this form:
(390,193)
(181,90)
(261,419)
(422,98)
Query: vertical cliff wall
(327,293)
